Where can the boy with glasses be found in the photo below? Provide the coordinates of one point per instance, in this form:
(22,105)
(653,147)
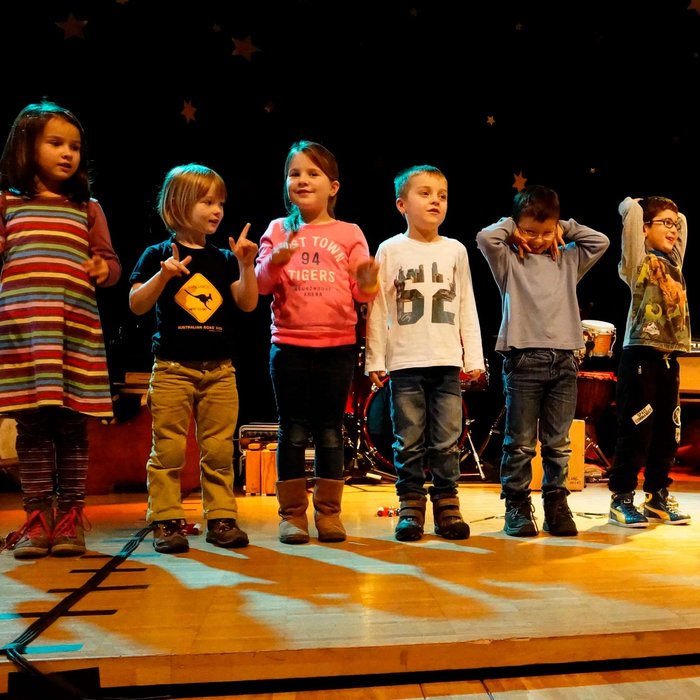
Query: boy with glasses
(537,261)
(654,236)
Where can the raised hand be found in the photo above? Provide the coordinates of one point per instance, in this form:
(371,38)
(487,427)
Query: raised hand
(173,266)
(244,250)
(366,272)
(282,252)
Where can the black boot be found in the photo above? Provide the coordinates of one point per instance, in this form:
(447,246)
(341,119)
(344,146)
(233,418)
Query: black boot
(520,521)
(558,519)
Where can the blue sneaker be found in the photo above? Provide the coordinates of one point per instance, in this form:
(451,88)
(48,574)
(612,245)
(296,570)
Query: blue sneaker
(661,507)
(624,513)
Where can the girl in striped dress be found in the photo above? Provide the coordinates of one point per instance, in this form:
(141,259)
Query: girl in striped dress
(53,371)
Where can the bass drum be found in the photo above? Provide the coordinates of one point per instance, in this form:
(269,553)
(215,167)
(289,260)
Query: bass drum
(377,430)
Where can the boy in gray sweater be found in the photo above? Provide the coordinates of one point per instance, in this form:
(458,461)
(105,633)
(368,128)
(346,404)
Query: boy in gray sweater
(537,260)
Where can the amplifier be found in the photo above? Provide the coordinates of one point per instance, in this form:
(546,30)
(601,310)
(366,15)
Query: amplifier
(262,434)
(690,370)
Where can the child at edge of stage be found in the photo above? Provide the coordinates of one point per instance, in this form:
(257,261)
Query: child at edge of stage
(193,285)
(654,238)
(423,329)
(53,366)
(316,267)
(537,261)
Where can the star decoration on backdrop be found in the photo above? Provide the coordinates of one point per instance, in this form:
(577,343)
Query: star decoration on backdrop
(72,27)
(188,111)
(245,48)
(519,181)
(490,120)
(695,5)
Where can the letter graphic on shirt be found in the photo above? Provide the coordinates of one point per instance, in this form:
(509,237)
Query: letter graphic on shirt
(410,300)
(199,297)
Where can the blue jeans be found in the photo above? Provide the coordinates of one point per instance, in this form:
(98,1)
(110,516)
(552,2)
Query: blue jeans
(311,388)
(539,385)
(426,415)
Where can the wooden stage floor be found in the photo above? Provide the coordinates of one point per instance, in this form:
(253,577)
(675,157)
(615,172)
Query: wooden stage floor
(433,619)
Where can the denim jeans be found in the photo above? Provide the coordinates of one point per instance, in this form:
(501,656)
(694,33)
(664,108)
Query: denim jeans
(426,415)
(539,385)
(175,392)
(311,388)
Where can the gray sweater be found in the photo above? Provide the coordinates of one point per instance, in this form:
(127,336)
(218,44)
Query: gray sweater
(538,295)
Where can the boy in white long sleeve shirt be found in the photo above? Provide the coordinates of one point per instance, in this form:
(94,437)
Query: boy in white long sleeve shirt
(423,329)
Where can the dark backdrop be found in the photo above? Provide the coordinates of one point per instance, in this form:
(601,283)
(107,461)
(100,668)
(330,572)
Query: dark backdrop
(595,99)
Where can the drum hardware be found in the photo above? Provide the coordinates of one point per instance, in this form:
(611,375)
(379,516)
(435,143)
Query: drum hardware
(595,392)
(598,339)
(366,459)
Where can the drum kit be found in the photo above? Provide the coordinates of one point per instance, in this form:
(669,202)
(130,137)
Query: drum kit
(368,431)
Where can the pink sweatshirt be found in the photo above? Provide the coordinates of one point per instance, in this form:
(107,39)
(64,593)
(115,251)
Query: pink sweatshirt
(314,293)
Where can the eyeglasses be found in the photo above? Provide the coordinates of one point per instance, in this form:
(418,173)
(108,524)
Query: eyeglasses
(533,235)
(668,223)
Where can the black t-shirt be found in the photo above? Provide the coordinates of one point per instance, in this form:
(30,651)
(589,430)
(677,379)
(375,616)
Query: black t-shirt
(195,313)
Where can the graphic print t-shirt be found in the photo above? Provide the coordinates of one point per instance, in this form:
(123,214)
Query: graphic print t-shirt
(195,313)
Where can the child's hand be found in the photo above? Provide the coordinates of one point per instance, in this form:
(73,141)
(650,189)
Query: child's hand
(518,240)
(245,250)
(173,266)
(97,269)
(476,378)
(282,252)
(556,242)
(366,272)
(378,378)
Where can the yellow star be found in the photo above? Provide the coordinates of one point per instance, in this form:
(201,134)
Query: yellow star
(519,181)
(695,5)
(72,27)
(188,111)
(490,120)
(245,48)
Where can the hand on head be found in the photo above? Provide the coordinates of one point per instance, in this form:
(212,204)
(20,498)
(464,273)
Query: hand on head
(244,250)
(173,266)
(282,252)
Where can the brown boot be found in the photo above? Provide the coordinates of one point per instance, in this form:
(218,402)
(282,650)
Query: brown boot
(328,494)
(411,517)
(33,539)
(69,532)
(294,500)
(448,520)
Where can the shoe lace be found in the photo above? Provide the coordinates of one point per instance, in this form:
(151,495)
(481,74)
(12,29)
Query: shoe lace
(172,527)
(626,505)
(526,509)
(66,526)
(224,524)
(672,504)
(34,526)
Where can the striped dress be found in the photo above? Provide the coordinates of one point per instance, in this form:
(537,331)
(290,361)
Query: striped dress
(52,350)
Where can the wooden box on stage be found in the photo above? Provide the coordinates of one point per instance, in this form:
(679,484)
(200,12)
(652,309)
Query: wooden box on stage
(577,435)
(260,469)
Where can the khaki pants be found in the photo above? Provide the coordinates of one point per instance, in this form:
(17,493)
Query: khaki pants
(176,391)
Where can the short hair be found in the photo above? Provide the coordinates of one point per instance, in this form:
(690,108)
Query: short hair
(183,187)
(323,159)
(403,178)
(651,206)
(18,165)
(536,201)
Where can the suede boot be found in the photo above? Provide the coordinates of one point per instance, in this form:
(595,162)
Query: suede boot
(448,520)
(411,517)
(293,500)
(328,494)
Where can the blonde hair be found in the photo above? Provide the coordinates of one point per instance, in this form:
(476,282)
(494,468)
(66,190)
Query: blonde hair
(182,188)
